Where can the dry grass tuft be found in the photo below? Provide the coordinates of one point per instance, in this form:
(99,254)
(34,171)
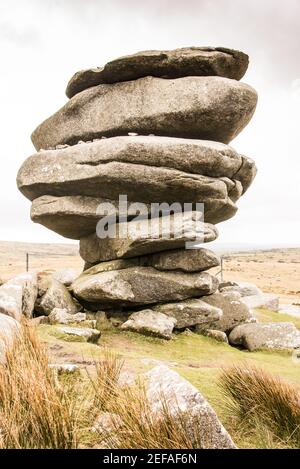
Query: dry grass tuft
(108,371)
(35,410)
(263,404)
(133,424)
(40,410)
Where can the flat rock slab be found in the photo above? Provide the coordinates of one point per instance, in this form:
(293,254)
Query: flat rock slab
(279,335)
(177,63)
(185,260)
(61,316)
(150,322)
(75,187)
(262,300)
(207,158)
(209,108)
(9,329)
(190,313)
(84,333)
(18,295)
(137,238)
(141,285)
(83,183)
(74,216)
(235,312)
(166,387)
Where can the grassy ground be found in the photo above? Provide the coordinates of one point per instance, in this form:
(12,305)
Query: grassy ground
(199,359)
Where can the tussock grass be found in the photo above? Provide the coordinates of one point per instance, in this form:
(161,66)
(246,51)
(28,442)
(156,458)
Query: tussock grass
(262,404)
(39,409)
(108,371)
(133,423)
(35,410)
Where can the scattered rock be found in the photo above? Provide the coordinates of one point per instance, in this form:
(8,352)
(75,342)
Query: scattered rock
(263,300)
(191,313)
(99,318)
(9,328)
(235,312)
(62,368)
(127,379)
(11,300)
(57,296)
(219,336)
(92,323)
(61,316)
(87,334)
(244,288)
(18,296)
(280,335)
(107,424)
(182,397)
(150,322)
(193,61)
(118,318)
(65,276)
(39,320)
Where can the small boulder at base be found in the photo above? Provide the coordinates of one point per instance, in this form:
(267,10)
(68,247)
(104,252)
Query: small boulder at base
(279,335)
(57,296)
(219,336)
(244,288)
(61,368)
(263,300)
(191,313)
(11,300)
(81,333)
(61,316)
(235,312)
(150,322)
(39,320)
(9,328)
(65,276)
(18,296)
(166,387)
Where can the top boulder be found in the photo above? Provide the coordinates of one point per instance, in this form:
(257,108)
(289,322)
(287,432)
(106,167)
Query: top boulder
(177,63)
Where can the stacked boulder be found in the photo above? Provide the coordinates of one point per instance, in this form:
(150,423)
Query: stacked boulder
(154,126)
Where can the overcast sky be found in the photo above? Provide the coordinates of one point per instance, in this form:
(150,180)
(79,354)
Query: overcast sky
(44,42)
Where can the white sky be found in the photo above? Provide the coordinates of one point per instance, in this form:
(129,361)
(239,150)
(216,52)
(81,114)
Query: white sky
(43,42)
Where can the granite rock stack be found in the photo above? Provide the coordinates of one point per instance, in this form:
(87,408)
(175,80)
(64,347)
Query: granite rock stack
(154,127)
